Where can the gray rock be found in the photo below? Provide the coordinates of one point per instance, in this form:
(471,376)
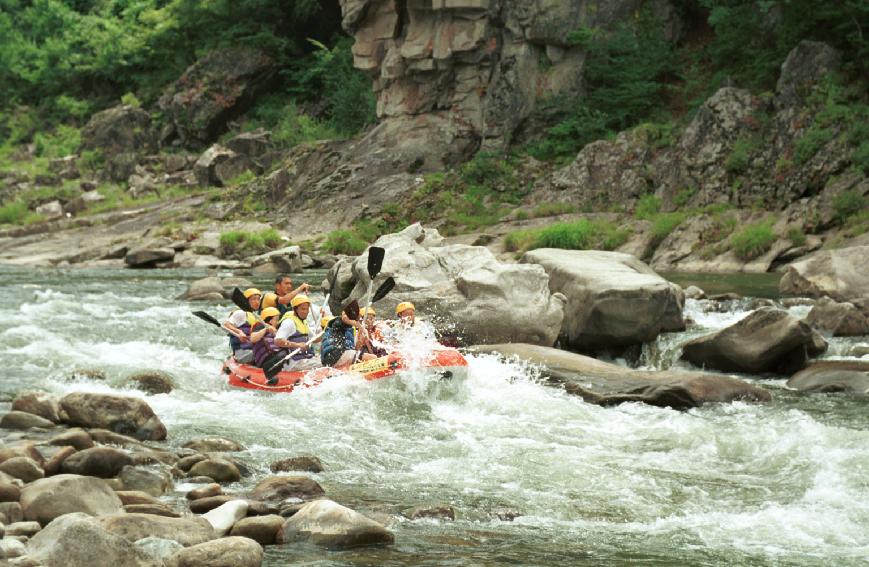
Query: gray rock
(38,403)
(11,512)
(134,527)
(252,144)
(153,482)
(24,420)
(262,529)
(221,470)
(46,499)
(77,540)
(213,444)
(283,260)
(226,515)
(28,529)
(278,488)
(51,211)
(465,287)
(219,165)
(607,384)
(147,257)
(11,548)
(833,273)
(851,376)
(840,319)
(804,68)
(613,299)
(24,468)
(157,548)
(327,524)
(121,134)
(128,416)
(235,551)
(102,462)
(768,340)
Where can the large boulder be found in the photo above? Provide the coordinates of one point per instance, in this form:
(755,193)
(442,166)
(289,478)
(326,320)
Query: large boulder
(277,488)
(23,468)
(464,287)
(213,90)
(148,256)
(833,273)
(330,525)
(767,340)
(46,499)
(103,462)
(613,299)
(217,166)
(38,403)
(805,67)
(840,319)
(133,527)
(607,384)
(850,376)
(121,134)
(77,540)
(226,552)
(120,414)
(284,260)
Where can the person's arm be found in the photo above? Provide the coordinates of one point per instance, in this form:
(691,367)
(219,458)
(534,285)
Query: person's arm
(231,324)
(285,299)
(256,336)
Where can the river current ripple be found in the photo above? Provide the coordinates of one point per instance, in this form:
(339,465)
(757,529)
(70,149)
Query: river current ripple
(784,483)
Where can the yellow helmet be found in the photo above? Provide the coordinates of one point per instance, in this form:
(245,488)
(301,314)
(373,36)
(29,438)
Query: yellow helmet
(270,300)
(300,299)
(325,321)
(365,311)
(269,312)
(403,306)
(252,291)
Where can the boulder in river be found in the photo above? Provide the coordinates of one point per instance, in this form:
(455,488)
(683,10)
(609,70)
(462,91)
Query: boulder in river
(613,299)
(213,445)
(102,462)
(38,403)
(235,551)
(851,376)
(607,384)
(120,414)
(150,481)
(262,529)
(24,468)
(152,381)
(301,463)
(465,287)
(840,319)
(77,540)
(277,488)
(767,340)
(840,274)
(46,499)
(133,527)
(330,525)
(221,470)
(24,420)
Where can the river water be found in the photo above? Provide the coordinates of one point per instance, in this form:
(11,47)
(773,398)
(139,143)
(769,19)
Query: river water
(783,483)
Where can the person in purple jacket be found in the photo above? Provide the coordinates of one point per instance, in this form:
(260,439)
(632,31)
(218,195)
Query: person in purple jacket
(262,335)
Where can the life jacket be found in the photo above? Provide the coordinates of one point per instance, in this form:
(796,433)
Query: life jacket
(236,344)
(263,347)
(338,336)
(301,335)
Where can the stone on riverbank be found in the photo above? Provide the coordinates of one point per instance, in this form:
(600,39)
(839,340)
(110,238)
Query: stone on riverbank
(213,489)
(767,340)
(76,437)
(134,527)
(77,540)
(833,273)
(209,503)
(330,525)
(102,462)
(24,468)
(613,299)
(46,499)
(607,384)
(120,414)
(226,515)
(465,287)
(158,548)
(229,551)
(850,376)
(261,529)
(44,405)
(53,465)
(153,482)
(221,470)
(24,420)
(277,488)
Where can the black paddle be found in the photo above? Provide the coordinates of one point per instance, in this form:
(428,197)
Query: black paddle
(375,260)
(207,318)
(240,300)
(384,288)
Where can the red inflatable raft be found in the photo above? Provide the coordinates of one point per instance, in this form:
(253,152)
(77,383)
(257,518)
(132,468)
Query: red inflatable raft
(443,362)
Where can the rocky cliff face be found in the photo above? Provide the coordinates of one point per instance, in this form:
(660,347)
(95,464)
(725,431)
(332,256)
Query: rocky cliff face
(452,76)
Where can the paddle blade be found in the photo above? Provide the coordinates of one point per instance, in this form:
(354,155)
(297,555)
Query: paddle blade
(375,260)
(273,364)
(352,310)
(206,317)
(384,288)
(240,300)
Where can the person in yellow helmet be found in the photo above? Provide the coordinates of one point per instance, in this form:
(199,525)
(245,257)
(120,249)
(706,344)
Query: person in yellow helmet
(406,313)
(262,335)
(294,333)
(375,336)
(239,323)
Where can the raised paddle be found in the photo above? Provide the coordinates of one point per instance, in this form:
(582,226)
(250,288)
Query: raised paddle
(384,288)
(207,318)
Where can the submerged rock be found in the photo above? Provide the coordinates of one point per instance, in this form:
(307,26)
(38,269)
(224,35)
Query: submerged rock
(152,382)
(439,512)
(851,376)
(613,299)
(330,525)
(302,463)
(767,340)
(605,384)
